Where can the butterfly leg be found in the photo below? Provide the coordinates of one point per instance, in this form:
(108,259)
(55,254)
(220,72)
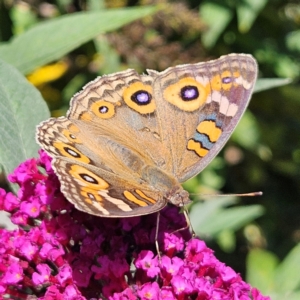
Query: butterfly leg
(188,223)
(156,236)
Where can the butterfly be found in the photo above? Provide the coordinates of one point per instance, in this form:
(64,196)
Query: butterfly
(128,141)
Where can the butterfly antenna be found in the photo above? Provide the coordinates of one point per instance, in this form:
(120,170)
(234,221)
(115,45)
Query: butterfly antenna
(251,194)
(187,216)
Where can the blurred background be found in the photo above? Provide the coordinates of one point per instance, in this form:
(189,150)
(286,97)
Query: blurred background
(264,151)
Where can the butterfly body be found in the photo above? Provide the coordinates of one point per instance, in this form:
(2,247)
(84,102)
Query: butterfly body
(129,140)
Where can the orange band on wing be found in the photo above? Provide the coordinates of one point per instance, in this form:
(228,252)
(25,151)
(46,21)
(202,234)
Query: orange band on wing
(129,196)
(90,194)
(140,193)
(197,147)
(210,129)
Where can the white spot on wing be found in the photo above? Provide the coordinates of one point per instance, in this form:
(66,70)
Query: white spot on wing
(241,81)
(216,96)
(232,110)
(203,80)
(100,208)
(119,203)
(226,108)
(224,105)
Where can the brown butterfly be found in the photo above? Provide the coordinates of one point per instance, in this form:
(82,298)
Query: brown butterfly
(129,140)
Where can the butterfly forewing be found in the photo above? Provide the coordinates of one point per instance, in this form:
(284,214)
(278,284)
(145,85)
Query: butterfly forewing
(205,102)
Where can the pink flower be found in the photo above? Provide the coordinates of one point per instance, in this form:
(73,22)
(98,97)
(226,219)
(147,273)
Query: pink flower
(31,207)
(67,254)
(170,266)
(182,284)
(11,202)
(43,274)
(173,242)
(2,198)
(82,272)
(45,161)
(13,274)
(51,250)
(127,294)
(146,262)
(19,218)
(28,249)
(167,293)
(52,292)
(64,275)
(129,223)
(71,292)
(27,171)
(149,291)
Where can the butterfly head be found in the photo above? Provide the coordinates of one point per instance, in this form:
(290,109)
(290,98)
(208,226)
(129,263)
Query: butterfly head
(178,196)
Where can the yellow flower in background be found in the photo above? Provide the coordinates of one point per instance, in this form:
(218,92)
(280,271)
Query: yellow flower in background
(48,73)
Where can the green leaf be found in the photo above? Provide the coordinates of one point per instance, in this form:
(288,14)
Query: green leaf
(264,84)
(201,212)
(110,58)
(286,66)
(72,87)
(293,40)
(22,17)
(50,40)
(211,177)
(209,217)
(226,240)
(261,267)
(286,296)
(247,12)
(95,4)
(233,218)
(246,133)
(217,17)
(287,276)
(22,108)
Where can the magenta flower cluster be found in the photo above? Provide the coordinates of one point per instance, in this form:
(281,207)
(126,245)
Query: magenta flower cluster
(58,252)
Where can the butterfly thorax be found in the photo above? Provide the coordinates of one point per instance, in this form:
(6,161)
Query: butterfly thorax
(167,184)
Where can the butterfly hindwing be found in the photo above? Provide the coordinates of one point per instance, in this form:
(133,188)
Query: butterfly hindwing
(109,197)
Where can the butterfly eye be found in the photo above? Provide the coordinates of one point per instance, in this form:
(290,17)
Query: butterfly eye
(227,80)
(189,92)
(70,152)
(141,97)
(87,177)
(103,109)
(71,136)
(138,96)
